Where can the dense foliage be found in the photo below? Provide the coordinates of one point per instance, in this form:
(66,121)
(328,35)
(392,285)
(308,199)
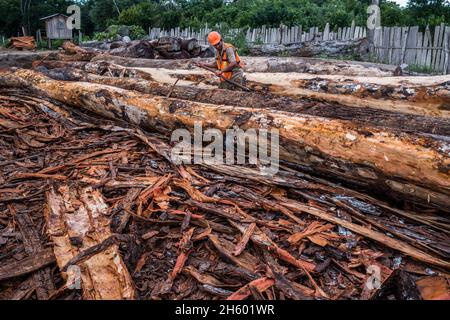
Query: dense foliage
(97,15)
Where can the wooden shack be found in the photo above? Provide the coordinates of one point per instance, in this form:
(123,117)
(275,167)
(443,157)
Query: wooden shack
(56,28)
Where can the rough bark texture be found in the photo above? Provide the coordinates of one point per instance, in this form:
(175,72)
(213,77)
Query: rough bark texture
(76,222)
(368,116)
(398,95)
(162,48)
(332,49)
(17,59)
(429,96)
(75,53)
(416,167)
(83,69)
(135,49)
(426,96)
(177,48)
(194,232)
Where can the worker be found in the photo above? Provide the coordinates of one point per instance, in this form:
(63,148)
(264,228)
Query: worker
(227,62)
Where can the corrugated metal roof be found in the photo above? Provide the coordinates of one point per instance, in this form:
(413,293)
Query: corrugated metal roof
(54,15)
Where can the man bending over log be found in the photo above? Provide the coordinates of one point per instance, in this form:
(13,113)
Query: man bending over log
(227,62)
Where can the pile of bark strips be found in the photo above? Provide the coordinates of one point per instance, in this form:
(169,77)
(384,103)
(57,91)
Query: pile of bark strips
(92,206)
(20,43)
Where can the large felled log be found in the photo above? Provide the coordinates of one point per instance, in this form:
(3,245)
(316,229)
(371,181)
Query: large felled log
(427,96)
(191,46)
(332,49)
(23,59)
(131,81)
(318,66)
(378,159)
(76,53)
(135,49)
(413,95)
(79,70)
(177,48)
(270,64)
(424,96)
(165,47)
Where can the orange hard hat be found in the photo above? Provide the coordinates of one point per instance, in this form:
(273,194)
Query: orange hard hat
(214,38)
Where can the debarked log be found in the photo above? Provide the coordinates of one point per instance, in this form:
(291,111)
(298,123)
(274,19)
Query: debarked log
(423,96)
(133,81)
(394,94)
(269,64)
(426,96)
(366,156)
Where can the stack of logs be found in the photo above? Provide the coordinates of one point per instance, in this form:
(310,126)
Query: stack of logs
(20,43)
(162,48)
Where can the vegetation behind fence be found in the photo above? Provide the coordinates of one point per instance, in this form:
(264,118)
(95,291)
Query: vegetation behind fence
(423,51)
(267,35)
(426,50)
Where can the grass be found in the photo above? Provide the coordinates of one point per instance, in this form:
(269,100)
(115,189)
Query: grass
(420,69)
(284,53)
(43,45)
(351,57)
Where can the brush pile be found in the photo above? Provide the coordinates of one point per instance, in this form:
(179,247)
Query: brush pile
(20,43)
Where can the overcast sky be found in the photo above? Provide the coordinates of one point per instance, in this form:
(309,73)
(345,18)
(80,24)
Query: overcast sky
(401,2)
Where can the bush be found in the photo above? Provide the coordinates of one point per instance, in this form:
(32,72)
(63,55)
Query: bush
(3,41)
(137,33)
(57,43)
(239,41)
(421,69)
(115,31)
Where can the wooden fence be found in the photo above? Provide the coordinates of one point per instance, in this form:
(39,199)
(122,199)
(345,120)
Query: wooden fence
(280,35)
(428,50)
(425,50)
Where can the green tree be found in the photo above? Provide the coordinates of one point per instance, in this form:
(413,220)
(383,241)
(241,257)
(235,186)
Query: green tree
(18,13)
(428,12)
(392,14)
(97,15)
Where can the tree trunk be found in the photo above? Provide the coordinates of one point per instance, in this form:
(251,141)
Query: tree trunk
(427,96)
(373,158)
(177,48)
(423,96)
(332,48)
(362,116)
(135,49)
(272,64)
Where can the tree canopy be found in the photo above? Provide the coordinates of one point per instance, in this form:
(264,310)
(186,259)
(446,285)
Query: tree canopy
(97,15)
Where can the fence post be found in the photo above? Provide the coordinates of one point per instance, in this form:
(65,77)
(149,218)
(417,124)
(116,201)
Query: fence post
(446,50)
(371,31)
(326,32)
(405,32)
